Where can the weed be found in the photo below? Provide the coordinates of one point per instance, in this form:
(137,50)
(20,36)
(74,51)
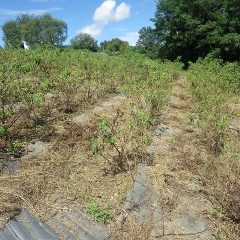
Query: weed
(107,138)
(13,147)
(216,88)
(103,214)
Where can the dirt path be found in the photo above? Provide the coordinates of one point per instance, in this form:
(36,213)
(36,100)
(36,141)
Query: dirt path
(167,199)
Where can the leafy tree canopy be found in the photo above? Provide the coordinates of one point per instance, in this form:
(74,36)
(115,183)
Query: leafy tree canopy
(34,30)
(11,34)
(148,42)
(114,45)
(84,41)
(194,28)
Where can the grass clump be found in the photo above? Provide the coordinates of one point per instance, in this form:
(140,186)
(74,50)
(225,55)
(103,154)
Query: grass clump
(103,214)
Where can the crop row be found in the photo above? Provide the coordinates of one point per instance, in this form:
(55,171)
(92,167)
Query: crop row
(40,86)
(216,88)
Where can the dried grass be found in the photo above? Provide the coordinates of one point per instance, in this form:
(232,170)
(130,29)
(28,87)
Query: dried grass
(131,230)
(67,172)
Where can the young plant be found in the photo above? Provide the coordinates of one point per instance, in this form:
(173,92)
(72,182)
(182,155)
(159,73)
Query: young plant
(107,138)
(9,96)
(103,214)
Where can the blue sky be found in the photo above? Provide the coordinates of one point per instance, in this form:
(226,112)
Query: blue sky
(103,19)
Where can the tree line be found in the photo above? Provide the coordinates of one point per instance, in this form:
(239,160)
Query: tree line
(189,29)
(183,29)
(46,30)
(35,30)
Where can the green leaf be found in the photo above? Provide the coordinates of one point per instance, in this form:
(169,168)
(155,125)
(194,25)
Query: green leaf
(2,130)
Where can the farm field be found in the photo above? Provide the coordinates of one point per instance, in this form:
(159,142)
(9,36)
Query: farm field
(78,127)
(120,120)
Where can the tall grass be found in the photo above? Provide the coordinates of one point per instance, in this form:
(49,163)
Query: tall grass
(216,87)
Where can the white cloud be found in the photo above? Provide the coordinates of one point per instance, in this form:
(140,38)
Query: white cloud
(131,37)
(122,12)
(107,12)
(9,12)
(94,29)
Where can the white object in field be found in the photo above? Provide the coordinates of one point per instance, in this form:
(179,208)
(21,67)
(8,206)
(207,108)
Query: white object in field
(25,45)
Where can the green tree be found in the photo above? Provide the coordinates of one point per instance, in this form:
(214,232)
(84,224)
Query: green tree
(187,28)
(114,45)
(53,31)
(29,26)
(34,30)
(230,40)
(84,41)
(12,34)
(148,42)
(194,28)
